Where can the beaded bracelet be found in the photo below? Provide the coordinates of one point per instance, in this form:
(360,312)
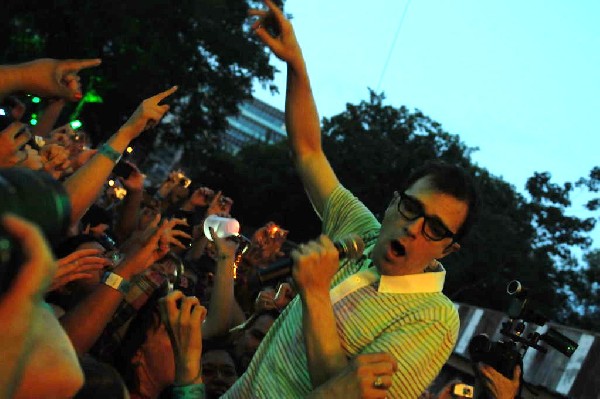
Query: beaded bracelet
(109,152)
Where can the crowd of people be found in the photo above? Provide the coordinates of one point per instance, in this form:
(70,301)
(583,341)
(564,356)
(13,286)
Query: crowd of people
(113,288)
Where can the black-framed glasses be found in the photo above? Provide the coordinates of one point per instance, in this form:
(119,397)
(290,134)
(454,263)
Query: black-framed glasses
(433,229)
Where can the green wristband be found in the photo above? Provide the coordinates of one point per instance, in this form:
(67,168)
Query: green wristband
(193,391)
(110,152)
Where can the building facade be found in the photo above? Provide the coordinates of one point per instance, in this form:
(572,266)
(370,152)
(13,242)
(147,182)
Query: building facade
(257,121)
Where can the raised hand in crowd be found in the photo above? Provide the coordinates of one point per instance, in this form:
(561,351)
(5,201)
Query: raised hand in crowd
(31,336)
(12,140)
(148,113)
(53,109)
(220,205)
(154,243)
(268,298)
(78,265)
(127,221)
(84,185)
(367,376)
(183,317)
(85,322)
(222,298)
(45,77)
(55,159)
(32,160)
(201,197)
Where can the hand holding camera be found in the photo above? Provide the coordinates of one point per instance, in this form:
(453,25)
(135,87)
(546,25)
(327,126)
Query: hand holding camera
(55,159)
(183,317)
(133,181)
(497,384)
(201,197)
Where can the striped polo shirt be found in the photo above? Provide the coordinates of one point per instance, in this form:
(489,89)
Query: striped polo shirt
(406,316)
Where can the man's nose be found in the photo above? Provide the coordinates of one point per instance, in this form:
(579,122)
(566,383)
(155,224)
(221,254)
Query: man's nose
(414,227)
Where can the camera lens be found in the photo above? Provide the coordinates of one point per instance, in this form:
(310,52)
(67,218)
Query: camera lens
(514,287)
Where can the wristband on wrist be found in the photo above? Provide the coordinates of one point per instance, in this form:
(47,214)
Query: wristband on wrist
(110,152)
(116,282)
(193,391)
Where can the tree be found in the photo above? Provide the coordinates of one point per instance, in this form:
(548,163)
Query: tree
(147,46)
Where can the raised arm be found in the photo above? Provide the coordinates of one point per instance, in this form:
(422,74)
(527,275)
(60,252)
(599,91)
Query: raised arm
(84,185)
(44,77)
(301,116)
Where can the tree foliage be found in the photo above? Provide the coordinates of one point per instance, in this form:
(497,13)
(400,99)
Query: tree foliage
(146,46)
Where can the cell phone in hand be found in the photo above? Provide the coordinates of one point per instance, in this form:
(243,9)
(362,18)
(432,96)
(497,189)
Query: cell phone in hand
(123,169)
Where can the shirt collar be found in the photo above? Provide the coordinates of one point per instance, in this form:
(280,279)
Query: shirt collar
(430,281)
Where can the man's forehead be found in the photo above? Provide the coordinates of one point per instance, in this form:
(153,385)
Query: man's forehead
(451,210)
(217,356)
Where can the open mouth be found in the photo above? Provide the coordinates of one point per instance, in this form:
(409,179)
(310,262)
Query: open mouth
(397,248)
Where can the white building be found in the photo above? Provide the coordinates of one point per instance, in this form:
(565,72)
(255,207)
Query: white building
(256,122)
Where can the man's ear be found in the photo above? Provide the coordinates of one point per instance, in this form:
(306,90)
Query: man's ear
(454,247)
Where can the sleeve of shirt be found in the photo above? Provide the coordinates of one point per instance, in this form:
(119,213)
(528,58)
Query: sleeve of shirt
(345,214)
(421,349)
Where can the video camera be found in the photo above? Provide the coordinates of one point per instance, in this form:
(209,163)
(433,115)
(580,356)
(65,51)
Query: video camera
(504,355)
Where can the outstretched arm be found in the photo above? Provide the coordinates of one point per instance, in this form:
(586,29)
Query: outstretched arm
(301,116)
(84,185)
(44,77)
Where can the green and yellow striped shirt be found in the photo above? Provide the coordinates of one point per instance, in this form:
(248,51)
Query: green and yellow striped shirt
(406,316)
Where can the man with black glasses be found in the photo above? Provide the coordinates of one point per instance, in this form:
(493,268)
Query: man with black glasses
(390,300)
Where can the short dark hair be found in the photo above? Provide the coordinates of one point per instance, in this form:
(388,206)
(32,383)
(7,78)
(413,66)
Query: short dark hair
(452,180)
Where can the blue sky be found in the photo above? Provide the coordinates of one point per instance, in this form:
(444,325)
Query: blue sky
(518,79)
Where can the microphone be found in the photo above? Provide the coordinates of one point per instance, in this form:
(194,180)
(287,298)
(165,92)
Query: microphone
(350,247)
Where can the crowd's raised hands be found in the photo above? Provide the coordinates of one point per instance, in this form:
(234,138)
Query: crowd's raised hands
(12,141)
(78,265)
(148,113)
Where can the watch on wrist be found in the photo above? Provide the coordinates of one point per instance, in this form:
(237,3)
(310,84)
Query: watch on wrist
(116,282)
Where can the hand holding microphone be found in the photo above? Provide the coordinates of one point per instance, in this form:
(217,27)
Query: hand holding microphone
(316,262)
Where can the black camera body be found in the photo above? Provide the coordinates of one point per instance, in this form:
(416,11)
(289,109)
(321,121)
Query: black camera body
(504,355)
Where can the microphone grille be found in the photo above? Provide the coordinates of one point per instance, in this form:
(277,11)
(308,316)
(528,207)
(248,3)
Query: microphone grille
(352,246)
